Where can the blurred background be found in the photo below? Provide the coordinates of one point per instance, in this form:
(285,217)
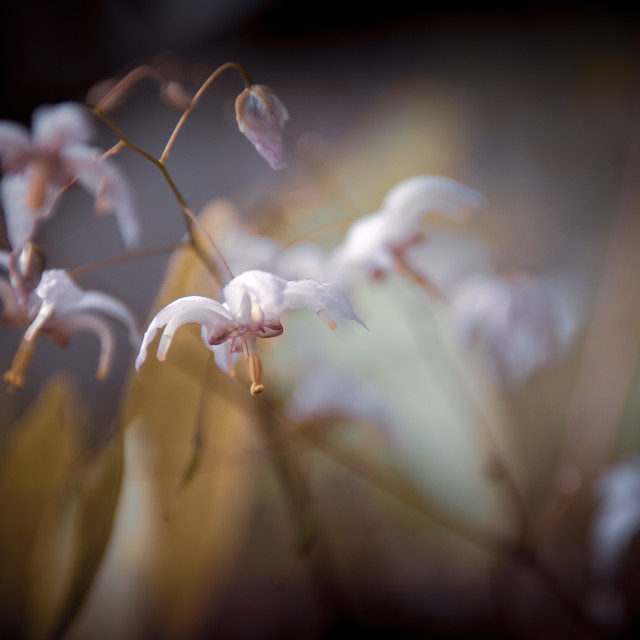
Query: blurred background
(537,108)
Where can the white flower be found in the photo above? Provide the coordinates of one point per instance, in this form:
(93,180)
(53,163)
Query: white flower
(375,244)
(58,308)
(325,388)
(617,519)
(261,117)
(253,303)
(513,322)
(38,165)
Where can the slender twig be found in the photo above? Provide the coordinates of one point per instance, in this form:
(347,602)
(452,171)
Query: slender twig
(189,216)
(196,98)
(124,257)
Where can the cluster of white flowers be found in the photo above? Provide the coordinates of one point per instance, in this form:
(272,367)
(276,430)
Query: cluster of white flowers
(512,321)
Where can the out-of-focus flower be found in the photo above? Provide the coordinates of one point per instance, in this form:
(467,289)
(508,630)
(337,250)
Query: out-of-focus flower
(513,322)
(58,308)
(617,519)
(375,244)
(38,165)
(261,117)
(253,304)
(325,389)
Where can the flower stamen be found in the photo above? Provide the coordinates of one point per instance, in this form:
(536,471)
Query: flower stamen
(15,377)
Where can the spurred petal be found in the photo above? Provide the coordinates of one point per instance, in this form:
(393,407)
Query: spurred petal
(414,197)
(62,329)
(107,184)
(209,313)
(319,297)
(104,303)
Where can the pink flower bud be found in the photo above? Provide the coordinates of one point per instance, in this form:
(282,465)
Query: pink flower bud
(261,117)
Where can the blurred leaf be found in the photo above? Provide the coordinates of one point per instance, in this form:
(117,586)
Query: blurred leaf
(36,465)
(72,540)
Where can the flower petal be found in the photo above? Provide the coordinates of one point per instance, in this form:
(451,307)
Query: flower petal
(98,301)
(265,289)
(56,126)
(107,184)
(20,219)
(205,311)
(318,296)
(63,327)
(57,287)
(15,146)
(412,198)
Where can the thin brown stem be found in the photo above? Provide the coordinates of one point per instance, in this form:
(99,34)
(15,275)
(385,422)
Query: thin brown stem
(124,257)
(196,98)
(189,217)
(115,94)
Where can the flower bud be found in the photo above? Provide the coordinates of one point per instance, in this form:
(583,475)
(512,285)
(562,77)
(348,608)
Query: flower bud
(261,117)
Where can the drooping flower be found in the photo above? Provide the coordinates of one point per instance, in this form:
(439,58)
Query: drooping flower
(253,304)
(617,518)
(38,164)
(261,116)
(57,308)
(513,322)
(376,244)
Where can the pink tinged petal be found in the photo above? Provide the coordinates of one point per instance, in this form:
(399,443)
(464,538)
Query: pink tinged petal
(15,146)
(21,221)
(209,313)
(104,303)
(62,329)
(261,117)
(57,126)
(412,198)
(107,184)
(319,297)
(224,358)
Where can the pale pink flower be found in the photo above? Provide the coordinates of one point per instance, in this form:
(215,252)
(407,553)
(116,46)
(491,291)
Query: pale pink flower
(253,304)
(514,323)
(261,117)
(374,245)
(38,164)
(58,308)
(617,517)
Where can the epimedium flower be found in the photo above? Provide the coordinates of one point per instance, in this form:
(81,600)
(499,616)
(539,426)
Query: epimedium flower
(261,116)
(37,164)
(376,244)
(58,308)
(253,304)
(513,322)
